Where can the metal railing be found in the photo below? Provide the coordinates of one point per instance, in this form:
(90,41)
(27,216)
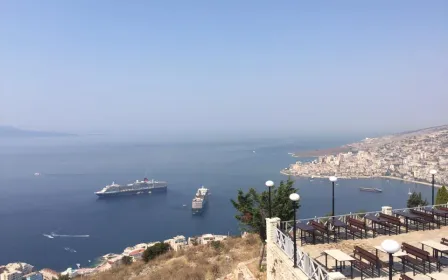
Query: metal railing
(287,226)
(305,263)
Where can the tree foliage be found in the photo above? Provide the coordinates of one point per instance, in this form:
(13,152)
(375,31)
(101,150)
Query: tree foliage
(253,207)
(155,250)
(416,200)
(442,196)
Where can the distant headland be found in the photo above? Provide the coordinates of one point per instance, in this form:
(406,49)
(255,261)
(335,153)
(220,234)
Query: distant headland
(13,132)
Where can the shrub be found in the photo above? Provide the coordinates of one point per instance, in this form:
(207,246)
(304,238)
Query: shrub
(126,260)
(216,245)
(155,250)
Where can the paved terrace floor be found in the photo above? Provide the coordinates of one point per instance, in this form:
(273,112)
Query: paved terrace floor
(347,247)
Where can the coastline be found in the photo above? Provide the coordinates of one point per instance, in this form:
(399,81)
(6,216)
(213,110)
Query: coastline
(365,177)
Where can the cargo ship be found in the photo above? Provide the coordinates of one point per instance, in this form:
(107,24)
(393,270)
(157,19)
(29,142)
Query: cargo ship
(199,202)
(136,188)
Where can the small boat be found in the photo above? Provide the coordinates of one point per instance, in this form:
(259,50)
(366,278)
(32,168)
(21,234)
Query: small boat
(371,190)
(37,174)
(409,193)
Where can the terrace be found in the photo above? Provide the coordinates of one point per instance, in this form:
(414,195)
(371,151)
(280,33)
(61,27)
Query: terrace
(351,246)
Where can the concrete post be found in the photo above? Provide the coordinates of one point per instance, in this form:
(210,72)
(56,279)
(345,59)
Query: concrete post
(386,210)
(271,225)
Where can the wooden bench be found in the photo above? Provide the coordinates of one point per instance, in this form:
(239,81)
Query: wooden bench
(361,266)
(360,225)
(444,241)
(392,220)
(321,228)
(373,259)
(417,257)
(426,216)
(404,277)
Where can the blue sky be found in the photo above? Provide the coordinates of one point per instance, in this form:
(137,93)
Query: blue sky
(229,66)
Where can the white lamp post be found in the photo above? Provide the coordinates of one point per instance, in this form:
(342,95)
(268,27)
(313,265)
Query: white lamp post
(391,247)
(270,184)
(294,198)
(333,179)
(433,173)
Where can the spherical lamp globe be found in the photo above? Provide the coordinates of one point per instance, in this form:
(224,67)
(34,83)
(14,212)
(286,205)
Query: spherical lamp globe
(269,184)
(294,197)
(333,178)
(390,246)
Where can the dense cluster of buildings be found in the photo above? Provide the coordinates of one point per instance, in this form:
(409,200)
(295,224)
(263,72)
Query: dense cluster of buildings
(408,156)
(24,271)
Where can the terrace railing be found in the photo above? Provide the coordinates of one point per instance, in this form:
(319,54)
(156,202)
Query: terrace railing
(305,263)
(287,226)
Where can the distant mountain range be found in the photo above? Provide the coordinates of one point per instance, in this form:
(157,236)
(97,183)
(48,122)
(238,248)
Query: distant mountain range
(13,132)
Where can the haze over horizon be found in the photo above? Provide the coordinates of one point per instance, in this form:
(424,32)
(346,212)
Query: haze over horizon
(252,67)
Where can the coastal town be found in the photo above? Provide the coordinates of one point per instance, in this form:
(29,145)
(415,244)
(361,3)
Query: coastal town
(24,271)
(410,156)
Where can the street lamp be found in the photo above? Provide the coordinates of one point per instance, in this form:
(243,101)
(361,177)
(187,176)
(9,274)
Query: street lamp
(269,184)
(391,247)
(433,173)
(333,180)
(295,199)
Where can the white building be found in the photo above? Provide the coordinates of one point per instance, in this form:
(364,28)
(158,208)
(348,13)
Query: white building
(33,276)
(49,274)
(11,275)
(177,242)
(15,271)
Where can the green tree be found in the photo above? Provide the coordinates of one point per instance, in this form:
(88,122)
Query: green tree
(155,250)
(253,207)
(442,196)
(126,260)
(416,200)
(63,277)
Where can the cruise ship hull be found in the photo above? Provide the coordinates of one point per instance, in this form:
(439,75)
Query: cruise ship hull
(132,192)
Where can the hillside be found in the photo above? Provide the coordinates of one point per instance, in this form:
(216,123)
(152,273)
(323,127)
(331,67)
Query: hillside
(199,262)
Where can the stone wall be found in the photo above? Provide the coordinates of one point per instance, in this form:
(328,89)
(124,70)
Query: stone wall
(279,266)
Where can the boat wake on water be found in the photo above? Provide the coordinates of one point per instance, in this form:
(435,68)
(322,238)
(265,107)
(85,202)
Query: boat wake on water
(53,235)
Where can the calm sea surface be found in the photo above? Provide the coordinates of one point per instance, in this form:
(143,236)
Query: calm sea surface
(62,199)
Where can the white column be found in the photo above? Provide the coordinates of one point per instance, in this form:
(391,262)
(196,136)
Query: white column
(386,210)
(271,225)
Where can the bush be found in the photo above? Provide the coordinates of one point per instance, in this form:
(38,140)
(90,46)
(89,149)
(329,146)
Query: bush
(126,260)
(216,245)
(155,250)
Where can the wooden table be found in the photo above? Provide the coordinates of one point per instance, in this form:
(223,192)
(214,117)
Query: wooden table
(377,221)
(340,257)
(436,247)
(305,228)
(438,276)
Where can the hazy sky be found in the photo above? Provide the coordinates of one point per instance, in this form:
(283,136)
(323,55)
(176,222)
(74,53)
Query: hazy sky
(228,66)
